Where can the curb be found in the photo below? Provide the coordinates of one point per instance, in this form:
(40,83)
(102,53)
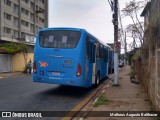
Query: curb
(80,106)
(7,75)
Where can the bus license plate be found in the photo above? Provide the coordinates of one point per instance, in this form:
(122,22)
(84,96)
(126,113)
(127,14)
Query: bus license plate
(56,73)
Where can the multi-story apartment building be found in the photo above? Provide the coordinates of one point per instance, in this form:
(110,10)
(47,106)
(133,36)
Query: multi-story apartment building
(19,22)
(20,19)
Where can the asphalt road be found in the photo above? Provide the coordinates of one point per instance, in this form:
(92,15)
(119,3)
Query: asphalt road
(19,93)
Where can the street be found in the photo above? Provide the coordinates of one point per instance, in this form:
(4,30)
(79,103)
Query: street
(19,93)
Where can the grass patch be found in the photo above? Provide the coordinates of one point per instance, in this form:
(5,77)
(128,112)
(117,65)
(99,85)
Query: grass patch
(151,106)
(158,118)
(102,100)
(132,73)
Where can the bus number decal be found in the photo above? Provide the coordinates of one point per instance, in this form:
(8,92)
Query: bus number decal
(68,61)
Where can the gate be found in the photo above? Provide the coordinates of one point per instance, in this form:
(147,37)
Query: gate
(5,63)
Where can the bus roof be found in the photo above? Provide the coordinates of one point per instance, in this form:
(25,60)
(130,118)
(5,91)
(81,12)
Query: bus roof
(61,28)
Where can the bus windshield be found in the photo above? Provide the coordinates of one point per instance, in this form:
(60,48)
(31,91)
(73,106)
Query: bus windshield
(59,39)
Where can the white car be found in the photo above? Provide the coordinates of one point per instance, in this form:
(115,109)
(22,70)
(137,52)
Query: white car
(121,63)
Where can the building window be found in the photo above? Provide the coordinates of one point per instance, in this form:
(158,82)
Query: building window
(37,19)
(41,20)
(7,30)
(32,28)
(24,11)
(41,10)
(23,35)
(15,34)
(32,6)
(7,2)
(26,1)
(32,17)
(7,16)
(16,21)
(42,1)
(16,9)
(37,29)
(24,23)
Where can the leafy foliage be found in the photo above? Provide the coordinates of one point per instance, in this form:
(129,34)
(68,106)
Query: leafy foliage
(13,48)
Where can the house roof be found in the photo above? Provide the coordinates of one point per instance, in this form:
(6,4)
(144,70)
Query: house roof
(147,7)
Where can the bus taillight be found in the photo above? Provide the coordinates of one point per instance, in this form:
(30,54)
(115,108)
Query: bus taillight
(79,70)
(34,67)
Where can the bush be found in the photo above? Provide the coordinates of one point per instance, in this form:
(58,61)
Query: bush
(138,55)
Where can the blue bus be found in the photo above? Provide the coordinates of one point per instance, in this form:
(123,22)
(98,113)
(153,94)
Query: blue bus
(69,56)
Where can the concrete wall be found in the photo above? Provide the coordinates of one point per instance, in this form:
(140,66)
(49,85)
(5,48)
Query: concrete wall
(154,55)
(18,62)
(148,71)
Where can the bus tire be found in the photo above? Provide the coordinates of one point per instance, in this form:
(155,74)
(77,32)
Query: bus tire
(97,81)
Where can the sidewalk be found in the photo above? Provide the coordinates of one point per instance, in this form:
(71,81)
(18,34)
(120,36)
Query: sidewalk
(126,97)
(10,74)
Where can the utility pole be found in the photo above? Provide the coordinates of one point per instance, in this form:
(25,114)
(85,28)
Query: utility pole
(125,48)
(116,46)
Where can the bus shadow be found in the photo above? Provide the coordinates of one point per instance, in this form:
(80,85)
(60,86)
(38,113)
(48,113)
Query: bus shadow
(68,91)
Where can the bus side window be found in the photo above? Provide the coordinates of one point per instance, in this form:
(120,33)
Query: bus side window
(101,52)
(105,55)
(87,47)
(93,52)
(97,51)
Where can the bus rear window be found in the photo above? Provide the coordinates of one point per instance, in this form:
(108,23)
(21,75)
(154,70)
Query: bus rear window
(59,38)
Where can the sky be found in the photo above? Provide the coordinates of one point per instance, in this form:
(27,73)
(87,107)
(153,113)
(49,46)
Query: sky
(93,15)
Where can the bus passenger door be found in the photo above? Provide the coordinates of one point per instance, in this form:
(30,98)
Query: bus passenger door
(90,61)
(94,63)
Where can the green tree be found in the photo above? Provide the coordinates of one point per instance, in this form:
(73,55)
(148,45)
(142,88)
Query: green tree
(13,48)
